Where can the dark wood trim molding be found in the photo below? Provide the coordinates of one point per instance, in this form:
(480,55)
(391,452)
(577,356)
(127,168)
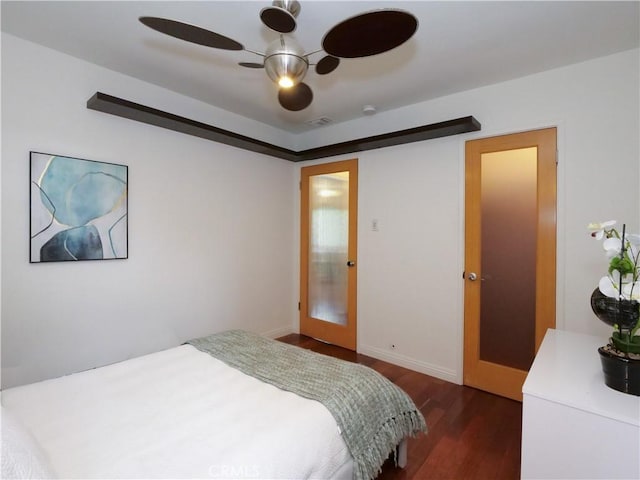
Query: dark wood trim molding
(141,113)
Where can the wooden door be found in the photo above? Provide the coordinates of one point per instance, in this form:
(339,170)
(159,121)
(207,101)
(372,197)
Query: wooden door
(328,257)
(510,257)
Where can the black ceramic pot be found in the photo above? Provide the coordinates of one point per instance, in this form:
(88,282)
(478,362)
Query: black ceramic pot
(620,373)
(624,313)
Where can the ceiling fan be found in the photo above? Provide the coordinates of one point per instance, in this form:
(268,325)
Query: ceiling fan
(286,62)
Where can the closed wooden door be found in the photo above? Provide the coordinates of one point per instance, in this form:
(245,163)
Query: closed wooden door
(510,257)
(328,263)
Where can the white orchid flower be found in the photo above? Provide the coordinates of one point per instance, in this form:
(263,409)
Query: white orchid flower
(612,246)
(625,285)
(615,278)
(634,244)
(608,287)
(631,239)
(631,291)
(597,229)
(634,239)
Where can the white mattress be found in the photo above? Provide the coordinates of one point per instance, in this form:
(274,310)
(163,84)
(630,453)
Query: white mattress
(178,413)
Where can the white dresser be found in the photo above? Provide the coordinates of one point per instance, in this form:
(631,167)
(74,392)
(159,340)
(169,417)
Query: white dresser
(573,425)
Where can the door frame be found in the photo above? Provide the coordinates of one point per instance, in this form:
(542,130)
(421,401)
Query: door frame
(476,372)
(344,336)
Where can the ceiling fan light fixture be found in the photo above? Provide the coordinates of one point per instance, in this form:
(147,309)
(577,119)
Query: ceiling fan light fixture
(285,62)
(285,82)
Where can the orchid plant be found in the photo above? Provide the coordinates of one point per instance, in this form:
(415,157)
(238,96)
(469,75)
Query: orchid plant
(622,281)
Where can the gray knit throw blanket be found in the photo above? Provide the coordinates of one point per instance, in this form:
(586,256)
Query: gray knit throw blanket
(373,414)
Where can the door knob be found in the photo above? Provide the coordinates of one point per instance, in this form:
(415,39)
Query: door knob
(351,263)
(472,276)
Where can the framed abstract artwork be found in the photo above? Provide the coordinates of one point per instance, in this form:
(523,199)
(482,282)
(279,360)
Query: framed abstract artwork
(78,209)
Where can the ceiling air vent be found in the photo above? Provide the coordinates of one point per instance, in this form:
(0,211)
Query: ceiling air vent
(319,122)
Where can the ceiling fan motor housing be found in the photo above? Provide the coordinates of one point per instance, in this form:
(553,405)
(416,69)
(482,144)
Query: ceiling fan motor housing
(291,6)
(285,58)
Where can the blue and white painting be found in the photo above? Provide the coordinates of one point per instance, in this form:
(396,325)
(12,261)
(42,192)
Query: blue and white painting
(78,209)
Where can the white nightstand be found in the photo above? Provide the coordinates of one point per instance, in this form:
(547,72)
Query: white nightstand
(573,425)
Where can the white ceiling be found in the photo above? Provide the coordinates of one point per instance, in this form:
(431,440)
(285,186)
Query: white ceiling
(458,46)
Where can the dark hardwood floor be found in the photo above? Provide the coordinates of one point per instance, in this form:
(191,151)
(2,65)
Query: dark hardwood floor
(472,434)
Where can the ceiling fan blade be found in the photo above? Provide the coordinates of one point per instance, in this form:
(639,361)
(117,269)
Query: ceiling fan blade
(251,65)
(370,33)
(327,64)
(191,33)
(295,98)
(278,19)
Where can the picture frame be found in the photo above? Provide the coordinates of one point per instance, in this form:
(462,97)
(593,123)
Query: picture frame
(78,209)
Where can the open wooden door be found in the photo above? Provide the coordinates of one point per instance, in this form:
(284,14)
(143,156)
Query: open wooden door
(510,257)
(328,266)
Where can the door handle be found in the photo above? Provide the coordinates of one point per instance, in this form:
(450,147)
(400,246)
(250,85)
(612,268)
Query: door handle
(472,276)
(351,263)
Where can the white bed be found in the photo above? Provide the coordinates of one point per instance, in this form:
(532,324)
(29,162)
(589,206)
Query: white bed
(168,415)
(229,405)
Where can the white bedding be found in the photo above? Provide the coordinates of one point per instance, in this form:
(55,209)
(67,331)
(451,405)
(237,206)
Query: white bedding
(178,413)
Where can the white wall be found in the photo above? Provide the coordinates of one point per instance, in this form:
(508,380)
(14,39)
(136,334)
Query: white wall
(410,286)
(214,230)
(210,227)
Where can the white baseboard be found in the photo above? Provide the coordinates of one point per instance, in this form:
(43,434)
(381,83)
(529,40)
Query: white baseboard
(278,332)
(410,363)
(400,360)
